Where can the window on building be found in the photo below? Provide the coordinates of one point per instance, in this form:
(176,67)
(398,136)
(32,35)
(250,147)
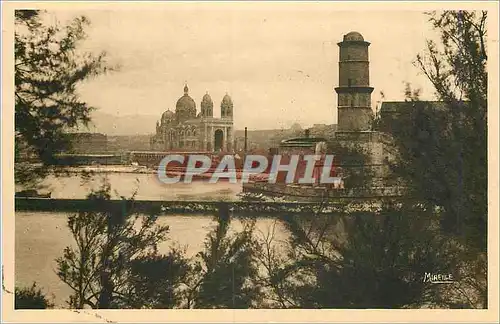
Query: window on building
(349,82)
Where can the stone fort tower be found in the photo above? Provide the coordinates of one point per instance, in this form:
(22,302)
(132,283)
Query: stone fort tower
(354,91)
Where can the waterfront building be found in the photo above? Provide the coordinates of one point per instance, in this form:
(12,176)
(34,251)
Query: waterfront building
(189,130)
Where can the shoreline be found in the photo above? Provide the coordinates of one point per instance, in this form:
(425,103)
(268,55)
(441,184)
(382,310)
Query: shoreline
(109,169)
(141,170)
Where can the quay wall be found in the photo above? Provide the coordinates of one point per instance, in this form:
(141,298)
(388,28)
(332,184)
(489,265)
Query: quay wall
(238,208)
(312,194)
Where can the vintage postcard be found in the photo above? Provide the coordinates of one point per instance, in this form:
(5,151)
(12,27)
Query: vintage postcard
(249,161)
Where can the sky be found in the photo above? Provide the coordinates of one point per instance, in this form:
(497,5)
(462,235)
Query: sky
(279,63)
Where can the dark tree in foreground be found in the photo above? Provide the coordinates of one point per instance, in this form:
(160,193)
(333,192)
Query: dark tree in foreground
(443,146)
(31,298)
(114,246)
(115,262)
(359,260)
(459,73)
(158,281)
(48,68)
(222,274)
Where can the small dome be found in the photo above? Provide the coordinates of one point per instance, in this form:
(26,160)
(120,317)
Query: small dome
(227,101)
(207,98)
(226,106)
(353,36)
(168,115)
(207,106)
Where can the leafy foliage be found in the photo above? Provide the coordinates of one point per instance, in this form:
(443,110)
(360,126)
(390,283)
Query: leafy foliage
(111,255)
(362,260)
(31,298)
(116,264)
(158,280)
(442,145)
(48,68)
(222,274)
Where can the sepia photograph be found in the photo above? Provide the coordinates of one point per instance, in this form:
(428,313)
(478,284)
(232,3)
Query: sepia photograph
(260,155)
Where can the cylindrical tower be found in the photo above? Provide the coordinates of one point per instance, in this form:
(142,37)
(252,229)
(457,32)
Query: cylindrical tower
(354,91)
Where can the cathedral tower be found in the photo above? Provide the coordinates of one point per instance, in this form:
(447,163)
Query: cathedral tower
(354,91)
(226,107)
(207,106)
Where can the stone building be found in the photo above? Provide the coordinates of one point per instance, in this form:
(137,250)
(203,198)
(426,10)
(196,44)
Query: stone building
(355,114)
(354,91)
(189,130)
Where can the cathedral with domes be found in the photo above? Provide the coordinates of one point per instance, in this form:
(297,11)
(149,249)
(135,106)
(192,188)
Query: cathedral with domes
(187,130)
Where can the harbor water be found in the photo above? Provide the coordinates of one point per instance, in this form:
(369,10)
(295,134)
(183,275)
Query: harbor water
(41,237)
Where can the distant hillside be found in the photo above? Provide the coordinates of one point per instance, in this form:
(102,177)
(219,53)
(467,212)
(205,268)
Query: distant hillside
(114,125)
(133,132)
(122,143)
(261,139)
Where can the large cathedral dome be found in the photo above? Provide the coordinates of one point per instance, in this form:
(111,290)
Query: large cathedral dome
(186,107)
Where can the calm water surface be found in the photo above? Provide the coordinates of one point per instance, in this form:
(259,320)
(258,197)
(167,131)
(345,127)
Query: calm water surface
(41,237)
(148,187)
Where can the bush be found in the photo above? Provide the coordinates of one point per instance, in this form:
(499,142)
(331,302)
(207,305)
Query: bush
(31,298)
